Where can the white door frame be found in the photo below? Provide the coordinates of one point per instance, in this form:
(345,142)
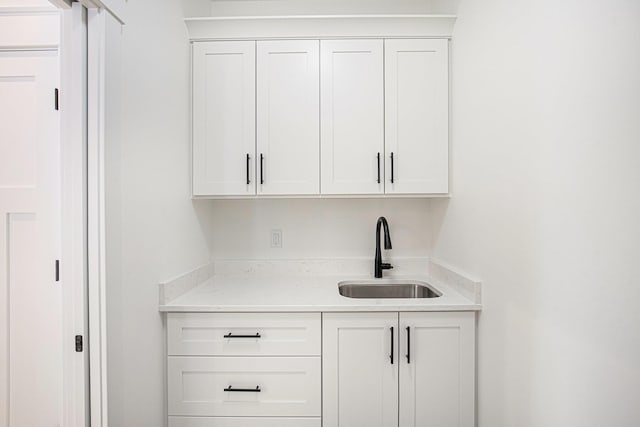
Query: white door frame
(83,196)
(74,213)
(98,120)
(96,218)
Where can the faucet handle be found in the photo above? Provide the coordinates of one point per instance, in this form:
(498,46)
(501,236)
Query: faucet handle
(386,266)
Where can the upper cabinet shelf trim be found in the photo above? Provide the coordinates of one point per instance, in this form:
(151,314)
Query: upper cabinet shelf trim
(320,26)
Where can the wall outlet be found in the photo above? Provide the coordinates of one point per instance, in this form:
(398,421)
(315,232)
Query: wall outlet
(276,238)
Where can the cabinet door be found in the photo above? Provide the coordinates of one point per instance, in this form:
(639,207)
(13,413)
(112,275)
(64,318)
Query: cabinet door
(352,136)
(360,382)
(437,369)
(288,117)
(223,118)
(417,116)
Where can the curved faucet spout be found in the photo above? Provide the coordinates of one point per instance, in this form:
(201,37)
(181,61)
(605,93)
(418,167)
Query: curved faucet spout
(387,237)
(378,264)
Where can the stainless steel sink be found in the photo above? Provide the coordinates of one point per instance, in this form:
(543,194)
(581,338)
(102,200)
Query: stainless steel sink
(387,289)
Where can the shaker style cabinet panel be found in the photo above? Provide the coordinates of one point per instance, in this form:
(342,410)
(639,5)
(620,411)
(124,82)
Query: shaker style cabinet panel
(244,369)
(360,378)
(244,386)
(398,369)
(224,118)
(288,117)
(243,422)
(437,369)
(243,334)
(416,116)
(352,116)
(331,117)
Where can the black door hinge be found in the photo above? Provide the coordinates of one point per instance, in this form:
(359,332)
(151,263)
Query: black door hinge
(57,270)
(79,343)
(57,95)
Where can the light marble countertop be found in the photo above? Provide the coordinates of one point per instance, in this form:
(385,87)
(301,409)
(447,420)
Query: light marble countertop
(242,291)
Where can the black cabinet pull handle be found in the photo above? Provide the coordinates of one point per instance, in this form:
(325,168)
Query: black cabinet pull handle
(391,356)
(244,390)
(408,344)
(379,178)
(392,167)
(230,335)
(261,168)
(248,180)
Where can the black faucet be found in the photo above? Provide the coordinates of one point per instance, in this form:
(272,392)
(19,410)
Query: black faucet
(378,264)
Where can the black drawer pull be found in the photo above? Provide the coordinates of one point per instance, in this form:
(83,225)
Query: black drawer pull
(392,167)
(261,168)
(244,390)
(408,344)
(248,178)
(391,356)
(378,168)
(229,335)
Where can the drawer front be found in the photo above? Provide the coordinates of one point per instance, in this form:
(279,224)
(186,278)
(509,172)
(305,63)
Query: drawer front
(243,422)
(288,386)
(244,334)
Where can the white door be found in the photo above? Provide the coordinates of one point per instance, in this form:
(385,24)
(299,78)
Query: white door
(360,369)
(437,369)
(288,117)
(352,117)
(417,116)
(30,298)
(224,118)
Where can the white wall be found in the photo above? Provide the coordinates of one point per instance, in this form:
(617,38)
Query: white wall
(312,228)
(546,206)
(113,188)
(158,232)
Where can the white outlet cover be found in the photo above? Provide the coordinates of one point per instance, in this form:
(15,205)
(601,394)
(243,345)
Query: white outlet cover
(276,238)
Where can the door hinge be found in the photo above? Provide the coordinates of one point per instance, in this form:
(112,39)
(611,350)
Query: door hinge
(79,343)
(57,270)
(56,97)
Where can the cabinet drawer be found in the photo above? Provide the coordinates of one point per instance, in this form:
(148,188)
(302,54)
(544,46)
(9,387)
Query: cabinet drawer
(244,334)
(243,422)
(288,386)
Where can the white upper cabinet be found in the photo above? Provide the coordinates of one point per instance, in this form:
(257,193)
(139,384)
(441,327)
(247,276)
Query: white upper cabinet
(352,116)
(288,117)
(416,116)
(321,117)
(224,118)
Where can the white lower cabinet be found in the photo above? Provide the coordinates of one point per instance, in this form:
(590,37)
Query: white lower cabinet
(243,334)
(437,369)
(360,382)
(382,369)
(244,369)
(399,369)
(244,386)
(243,422)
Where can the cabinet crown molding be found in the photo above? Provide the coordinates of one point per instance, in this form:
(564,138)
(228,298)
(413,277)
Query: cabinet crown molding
(320,26)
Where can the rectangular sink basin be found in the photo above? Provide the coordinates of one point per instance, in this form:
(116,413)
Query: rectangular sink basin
(387,289)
